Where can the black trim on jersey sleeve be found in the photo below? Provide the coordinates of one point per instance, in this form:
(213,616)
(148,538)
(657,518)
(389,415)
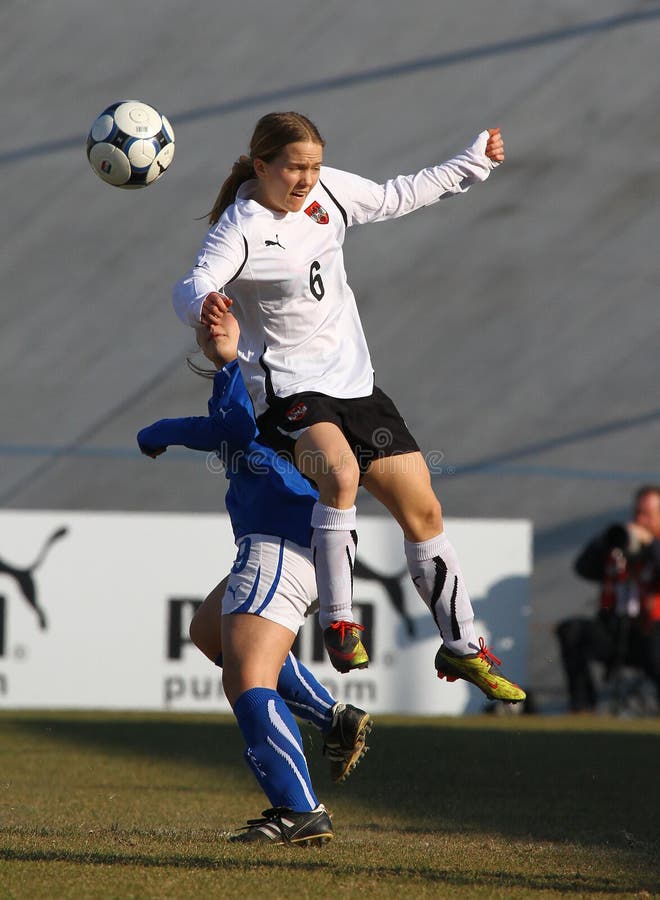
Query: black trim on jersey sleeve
(336,202)
(240,268)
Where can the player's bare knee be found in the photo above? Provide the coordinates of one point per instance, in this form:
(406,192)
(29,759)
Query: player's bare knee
(346,478)
(338,486)
(424,522)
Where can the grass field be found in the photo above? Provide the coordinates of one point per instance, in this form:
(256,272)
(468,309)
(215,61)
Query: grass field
(139,806)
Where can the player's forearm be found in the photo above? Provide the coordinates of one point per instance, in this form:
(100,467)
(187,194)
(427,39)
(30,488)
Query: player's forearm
(371,202)
(454,176)
(221,257)
(189,295)
(194,432)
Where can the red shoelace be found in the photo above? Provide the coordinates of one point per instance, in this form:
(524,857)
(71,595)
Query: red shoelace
(343,627)
(487,654)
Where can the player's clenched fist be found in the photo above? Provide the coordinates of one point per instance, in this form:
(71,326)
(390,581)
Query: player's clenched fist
(495,145)
(214,307)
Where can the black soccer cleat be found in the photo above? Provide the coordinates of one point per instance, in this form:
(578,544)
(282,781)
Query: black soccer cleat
(345,743)
(284,826)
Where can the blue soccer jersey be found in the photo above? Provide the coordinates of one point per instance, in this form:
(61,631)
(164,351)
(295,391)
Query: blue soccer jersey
(267,494)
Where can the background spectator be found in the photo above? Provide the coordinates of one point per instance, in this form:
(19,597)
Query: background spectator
(625,560)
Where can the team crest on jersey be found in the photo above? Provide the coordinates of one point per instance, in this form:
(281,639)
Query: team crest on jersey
(315,211)
(297,412)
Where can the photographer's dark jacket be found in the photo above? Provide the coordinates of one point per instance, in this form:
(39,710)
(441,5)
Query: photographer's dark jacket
(630,582)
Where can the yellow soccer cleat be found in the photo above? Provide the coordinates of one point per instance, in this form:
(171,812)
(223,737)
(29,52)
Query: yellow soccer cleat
(481,669)
(345,649)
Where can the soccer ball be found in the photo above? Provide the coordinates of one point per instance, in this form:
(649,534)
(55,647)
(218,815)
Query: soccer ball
(130,144)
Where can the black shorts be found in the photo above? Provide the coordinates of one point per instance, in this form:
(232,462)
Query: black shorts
(372,425)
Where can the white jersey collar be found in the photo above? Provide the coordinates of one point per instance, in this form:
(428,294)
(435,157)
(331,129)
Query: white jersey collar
(248,206)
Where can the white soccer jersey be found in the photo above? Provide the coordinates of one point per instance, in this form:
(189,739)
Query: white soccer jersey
(300,328)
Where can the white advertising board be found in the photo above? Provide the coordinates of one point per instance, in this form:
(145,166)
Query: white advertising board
(95,608)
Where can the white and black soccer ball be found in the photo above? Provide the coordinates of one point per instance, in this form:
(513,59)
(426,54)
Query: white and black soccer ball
(130,144)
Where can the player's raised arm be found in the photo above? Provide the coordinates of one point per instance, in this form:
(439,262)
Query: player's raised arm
(366,201)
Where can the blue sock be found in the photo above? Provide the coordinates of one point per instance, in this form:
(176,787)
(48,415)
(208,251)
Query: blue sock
(304,695)
(274,749)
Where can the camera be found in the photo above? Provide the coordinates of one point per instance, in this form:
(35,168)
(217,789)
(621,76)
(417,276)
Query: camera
(620,537)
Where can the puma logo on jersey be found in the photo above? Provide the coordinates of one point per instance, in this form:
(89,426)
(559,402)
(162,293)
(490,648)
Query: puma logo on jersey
(316,212)
(275,243)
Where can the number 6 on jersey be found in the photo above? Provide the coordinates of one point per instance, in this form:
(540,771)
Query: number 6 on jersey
(316,285)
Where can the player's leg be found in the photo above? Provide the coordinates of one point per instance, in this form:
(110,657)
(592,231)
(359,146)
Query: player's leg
(403,484)
(254,650)
(343,726)
(324,456)
(205,631)
(305,696)
(270,591)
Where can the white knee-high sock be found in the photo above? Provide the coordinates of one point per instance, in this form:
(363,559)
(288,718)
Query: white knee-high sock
(436,573)
(334,542)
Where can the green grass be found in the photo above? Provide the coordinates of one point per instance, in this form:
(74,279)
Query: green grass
(138,806)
